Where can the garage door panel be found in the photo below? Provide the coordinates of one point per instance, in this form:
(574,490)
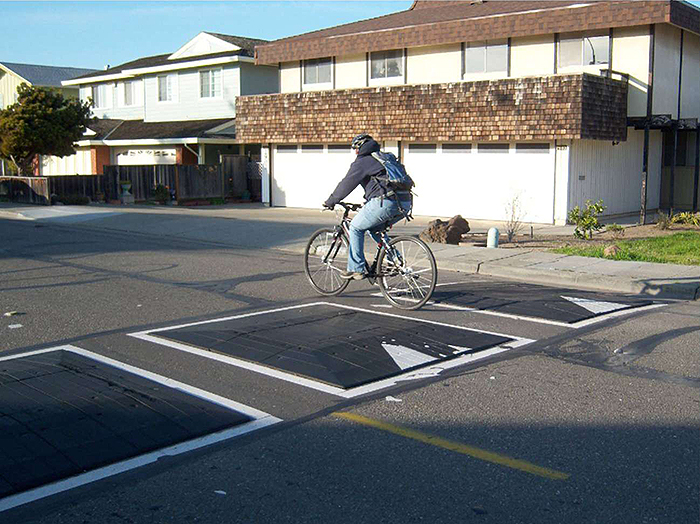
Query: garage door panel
(306,179)
(482,185)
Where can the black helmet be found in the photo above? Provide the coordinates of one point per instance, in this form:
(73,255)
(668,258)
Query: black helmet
(359,140)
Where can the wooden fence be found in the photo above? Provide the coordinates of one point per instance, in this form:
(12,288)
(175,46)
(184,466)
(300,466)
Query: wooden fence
(81,185)
(234,178)
(26,189)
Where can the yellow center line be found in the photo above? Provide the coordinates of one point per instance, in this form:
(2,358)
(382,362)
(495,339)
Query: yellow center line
(457,447)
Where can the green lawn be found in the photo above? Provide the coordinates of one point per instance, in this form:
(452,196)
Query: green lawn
(679,248)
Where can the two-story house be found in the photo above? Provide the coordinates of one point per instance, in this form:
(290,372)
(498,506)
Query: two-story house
(176,108)
(12,75)
(544,104)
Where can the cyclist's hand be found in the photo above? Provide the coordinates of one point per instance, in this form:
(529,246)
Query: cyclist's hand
(326,206)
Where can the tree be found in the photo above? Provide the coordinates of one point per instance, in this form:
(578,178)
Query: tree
(41,122)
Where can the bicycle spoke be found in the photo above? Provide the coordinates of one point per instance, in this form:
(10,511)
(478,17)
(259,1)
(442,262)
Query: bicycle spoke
(409,273)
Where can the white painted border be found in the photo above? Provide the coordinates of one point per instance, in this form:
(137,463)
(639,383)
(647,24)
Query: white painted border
(260,420)
(573,325)
(415,374)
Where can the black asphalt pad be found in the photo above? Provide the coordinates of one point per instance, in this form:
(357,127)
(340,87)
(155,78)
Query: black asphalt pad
(528,300)
(341,347)
(62,414)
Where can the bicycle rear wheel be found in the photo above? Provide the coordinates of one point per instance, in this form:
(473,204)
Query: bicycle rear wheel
(407,272)
(325,257)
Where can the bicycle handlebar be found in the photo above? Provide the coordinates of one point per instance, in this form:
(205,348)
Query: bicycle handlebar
(349,206)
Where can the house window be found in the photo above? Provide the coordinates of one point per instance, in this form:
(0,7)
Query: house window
(583,49)
(339,148)
(386,64)
(456,148)
(422,148)
(532,147)
(210,83)
(128,93)
(493,148)
(312,148)
(286,149)
(486,57)
(166,88)
(317,71)
(99,96)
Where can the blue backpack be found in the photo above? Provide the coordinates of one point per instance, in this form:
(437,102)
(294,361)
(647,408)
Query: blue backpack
(394,177)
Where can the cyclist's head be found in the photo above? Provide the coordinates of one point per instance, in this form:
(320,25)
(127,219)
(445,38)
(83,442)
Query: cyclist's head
(360,139)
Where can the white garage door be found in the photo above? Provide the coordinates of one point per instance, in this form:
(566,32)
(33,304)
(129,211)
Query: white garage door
(305,176)
(481,180)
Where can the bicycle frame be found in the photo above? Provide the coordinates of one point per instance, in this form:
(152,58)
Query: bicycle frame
(344,229)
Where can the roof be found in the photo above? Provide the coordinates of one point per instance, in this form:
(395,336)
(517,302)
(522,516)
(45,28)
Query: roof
(245,43)
(454,21)
(247,46)
(48,76)
(112,129)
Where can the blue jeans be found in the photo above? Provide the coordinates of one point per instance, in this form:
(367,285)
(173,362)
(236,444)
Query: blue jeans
(374,216)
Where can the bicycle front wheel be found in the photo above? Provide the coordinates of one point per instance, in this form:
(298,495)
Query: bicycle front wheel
(326,256)
(407,272)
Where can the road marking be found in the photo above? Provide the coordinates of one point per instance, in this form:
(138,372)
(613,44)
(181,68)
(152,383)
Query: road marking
(457,447)
(260,420)
(602,310)
(597,307)
(421,373)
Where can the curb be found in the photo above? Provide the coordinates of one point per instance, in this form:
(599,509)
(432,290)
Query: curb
(608,283)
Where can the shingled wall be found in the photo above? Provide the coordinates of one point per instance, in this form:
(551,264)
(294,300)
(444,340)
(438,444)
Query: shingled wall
(541,108)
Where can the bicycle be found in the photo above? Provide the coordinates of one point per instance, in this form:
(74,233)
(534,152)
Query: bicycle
(404,267)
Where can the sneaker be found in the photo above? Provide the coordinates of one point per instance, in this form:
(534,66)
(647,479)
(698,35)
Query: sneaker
(352,275)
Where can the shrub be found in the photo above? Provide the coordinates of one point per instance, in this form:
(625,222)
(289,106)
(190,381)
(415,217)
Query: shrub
(663,221)
(513,223)
(586,220)
(72,200)
(616,230)
(686,218)
(162,194)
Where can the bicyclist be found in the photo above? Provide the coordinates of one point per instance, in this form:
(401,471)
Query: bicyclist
(382,207)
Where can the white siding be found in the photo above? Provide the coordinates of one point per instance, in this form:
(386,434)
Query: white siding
(532,56)
(613,173)
(116,108)
(631,56)
(78,164)
(351,71)
(667,45)
(290,77)
(434,64)
(690,90)
(187,104)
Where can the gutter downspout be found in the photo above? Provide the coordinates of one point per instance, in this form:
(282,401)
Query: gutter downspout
(195,153)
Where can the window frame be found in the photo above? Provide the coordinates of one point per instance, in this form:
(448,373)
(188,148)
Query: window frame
(170,89)
(492,44)
(212,77)
(581,37)
(396,79)
(316,63)
(98,93)
(130,88)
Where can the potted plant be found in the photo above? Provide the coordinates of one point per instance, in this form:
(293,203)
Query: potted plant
(125,185)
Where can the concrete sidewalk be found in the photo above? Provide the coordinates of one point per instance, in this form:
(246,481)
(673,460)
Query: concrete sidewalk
(260,227)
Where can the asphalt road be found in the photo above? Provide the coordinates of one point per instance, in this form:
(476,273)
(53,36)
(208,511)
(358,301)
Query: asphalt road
(579,420)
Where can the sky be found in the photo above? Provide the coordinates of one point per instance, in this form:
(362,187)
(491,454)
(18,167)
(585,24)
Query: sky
(94,34)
